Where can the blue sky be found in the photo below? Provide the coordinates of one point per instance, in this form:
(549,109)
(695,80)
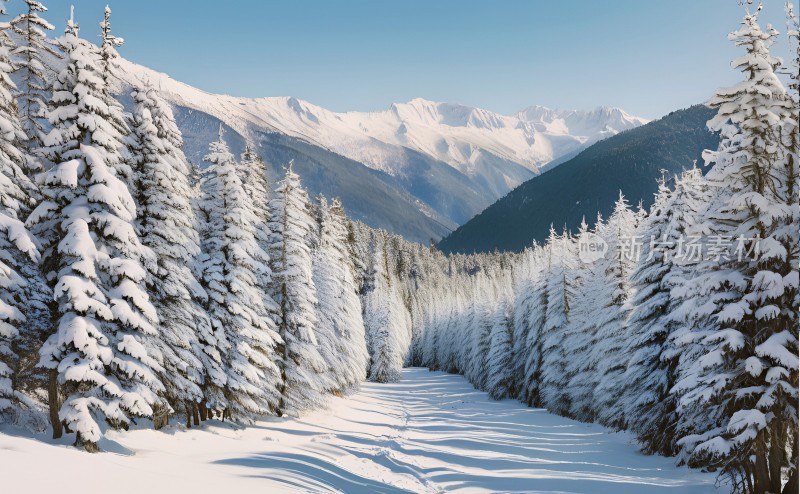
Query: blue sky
(646,56)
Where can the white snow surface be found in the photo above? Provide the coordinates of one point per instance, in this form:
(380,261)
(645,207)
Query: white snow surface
(458,135)
(432,432)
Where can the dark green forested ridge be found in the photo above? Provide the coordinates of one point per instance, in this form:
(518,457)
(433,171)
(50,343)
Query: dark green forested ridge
(589,183)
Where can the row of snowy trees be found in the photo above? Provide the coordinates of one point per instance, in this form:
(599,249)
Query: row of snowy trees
(136,286)
(697,355)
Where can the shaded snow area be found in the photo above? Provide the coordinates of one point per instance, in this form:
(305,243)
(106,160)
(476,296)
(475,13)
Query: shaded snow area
(432,432)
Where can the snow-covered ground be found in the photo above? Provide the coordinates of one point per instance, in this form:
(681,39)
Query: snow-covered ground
(432,432)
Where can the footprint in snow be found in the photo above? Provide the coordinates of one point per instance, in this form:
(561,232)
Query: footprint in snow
(322,437)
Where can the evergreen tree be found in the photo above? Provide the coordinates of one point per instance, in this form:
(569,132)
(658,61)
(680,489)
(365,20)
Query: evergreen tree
(253,174)
(29,67)
(520,284)
(478,327)
(582,330)
(17,247)
(93,259)
(339,308)
(500,365)
(648,405)
(108,70)
(790,168)
(738,395)
(304,380)
(608,349)
(167,225)
(561,288)
(430,335)
(325,331)
(386,321)
(245,333)
(529,321)
(23,295)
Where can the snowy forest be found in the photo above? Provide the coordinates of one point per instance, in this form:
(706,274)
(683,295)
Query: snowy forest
(138,289)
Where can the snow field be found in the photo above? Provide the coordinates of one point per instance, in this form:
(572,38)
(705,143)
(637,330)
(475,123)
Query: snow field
(432,432)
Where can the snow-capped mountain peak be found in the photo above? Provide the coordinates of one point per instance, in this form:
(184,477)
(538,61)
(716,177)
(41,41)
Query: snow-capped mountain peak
(599,122)
(464,137)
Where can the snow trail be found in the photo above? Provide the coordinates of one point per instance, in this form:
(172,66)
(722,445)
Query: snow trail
(431,432)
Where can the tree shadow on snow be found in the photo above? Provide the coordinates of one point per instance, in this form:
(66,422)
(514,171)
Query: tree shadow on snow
(307,473)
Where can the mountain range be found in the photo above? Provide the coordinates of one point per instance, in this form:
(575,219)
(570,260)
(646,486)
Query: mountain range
(418,169)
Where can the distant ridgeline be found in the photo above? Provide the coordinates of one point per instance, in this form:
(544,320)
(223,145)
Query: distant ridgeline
(589,183)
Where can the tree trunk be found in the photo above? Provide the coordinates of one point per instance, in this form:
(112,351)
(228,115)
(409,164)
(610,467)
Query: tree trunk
(160,416)
(793,486)
(760,468)
(188,414)
(776,453)
(203,411)
(90,447)
(195,414)
(54,403)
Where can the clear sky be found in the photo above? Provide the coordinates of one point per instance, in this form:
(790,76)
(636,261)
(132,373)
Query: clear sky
(646,56)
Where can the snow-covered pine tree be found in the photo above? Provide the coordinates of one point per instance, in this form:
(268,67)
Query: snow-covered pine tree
(253,173)
(243,328)
(430,334)
(368,284)
(789,169)
(23,294)
(17,247)
(500,365)
(478,329)
(421,318)
(420,300)
(790,137)
(108,70)
(32,90)
(530,309)
(580,334)
(520,284)
(93,259)
(793,33)
(647,380)
(186,348)
(650,408)
(339,308)
(108,47)
(324,330)
(744,377)
(608,350)
(449,338)
(303,367)
(560,287)
(386,320)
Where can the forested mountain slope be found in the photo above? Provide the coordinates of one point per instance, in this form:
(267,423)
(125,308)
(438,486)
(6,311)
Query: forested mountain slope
(589,183)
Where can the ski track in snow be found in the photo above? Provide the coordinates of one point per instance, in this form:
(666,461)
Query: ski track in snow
(432,432)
